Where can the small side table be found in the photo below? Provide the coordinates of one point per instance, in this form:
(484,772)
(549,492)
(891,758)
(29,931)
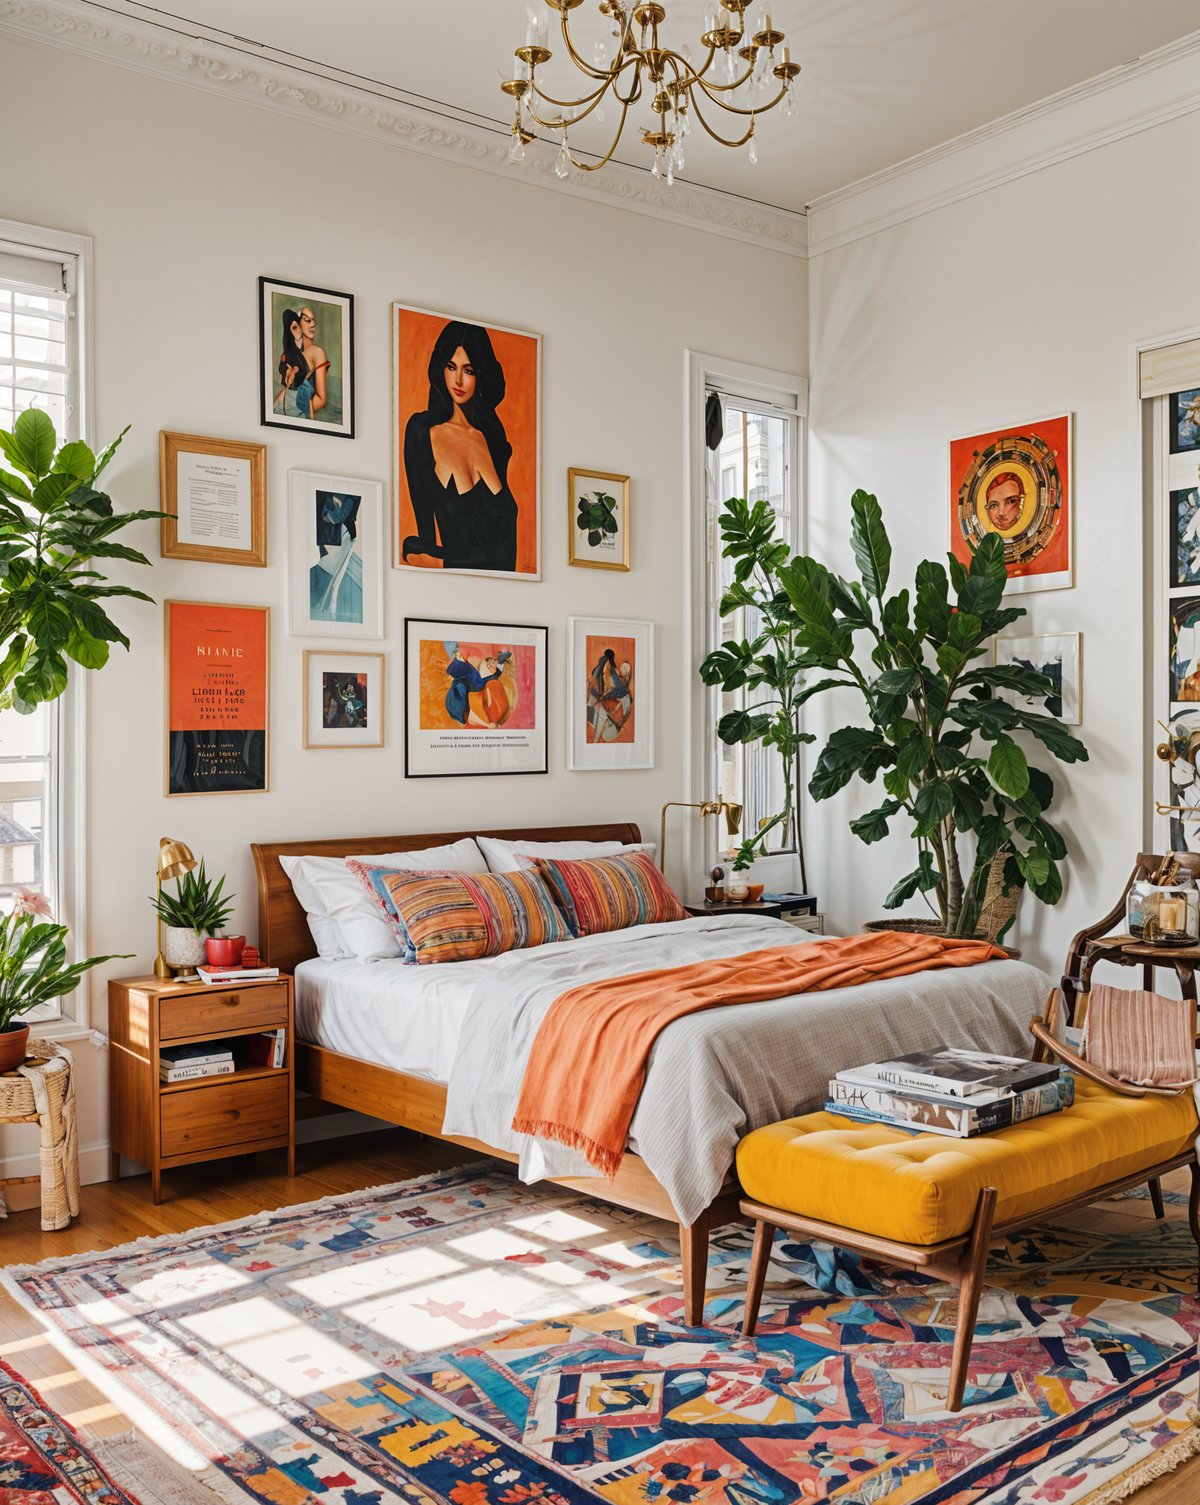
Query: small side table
(768,911)
(42,1092)
(1133,951)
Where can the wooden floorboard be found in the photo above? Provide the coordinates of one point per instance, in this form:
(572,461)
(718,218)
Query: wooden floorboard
(115,1213)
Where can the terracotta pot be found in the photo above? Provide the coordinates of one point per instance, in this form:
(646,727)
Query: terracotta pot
(224,950)
(929,927)
(13,1044)
(182,948)
(754,893)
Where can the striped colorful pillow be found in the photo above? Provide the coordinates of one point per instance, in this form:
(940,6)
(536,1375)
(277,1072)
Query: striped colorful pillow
(459,917)
(610,893)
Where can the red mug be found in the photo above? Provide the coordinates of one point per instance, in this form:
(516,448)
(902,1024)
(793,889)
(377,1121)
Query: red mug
(224,950)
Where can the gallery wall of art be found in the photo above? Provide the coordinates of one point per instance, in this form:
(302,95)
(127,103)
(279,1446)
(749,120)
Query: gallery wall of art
(190,199)
(1023,302)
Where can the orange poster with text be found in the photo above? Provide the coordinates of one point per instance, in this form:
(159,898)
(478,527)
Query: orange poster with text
(217,671)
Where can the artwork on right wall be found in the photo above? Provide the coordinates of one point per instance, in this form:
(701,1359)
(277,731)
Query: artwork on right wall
(1057,656)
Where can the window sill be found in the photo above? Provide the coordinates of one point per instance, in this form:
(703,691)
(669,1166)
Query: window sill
(62,1031)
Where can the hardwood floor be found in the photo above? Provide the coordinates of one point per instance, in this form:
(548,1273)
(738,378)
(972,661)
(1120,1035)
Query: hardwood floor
(117,1212)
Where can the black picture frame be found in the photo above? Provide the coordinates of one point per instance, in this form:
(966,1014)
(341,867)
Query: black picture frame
(290,293)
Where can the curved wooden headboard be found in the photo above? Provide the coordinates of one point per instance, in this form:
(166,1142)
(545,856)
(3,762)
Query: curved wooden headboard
(283,934)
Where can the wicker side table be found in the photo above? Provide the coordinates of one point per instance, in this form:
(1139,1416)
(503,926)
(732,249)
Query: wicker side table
(42,1092)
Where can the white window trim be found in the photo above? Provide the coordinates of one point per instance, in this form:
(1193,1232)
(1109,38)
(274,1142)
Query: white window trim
(762,386)
(70,856)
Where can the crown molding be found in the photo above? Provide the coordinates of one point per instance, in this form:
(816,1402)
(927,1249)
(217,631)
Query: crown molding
(1154,89)
(130,42)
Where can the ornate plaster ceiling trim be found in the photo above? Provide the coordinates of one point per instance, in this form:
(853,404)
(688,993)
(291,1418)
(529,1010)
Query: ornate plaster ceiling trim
(134,43)
(1162,86)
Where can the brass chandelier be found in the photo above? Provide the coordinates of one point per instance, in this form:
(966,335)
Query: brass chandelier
(744,70)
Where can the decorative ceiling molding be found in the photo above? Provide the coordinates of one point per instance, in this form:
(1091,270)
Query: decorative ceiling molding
(1161,86)
(203,63)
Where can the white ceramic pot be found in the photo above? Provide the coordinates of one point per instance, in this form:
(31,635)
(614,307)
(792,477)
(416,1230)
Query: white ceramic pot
(737,887)
(182,947)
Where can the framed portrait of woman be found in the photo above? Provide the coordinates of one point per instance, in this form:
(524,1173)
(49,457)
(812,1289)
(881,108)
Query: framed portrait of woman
(610,693)
(335,556)
(306,358)
(465,445)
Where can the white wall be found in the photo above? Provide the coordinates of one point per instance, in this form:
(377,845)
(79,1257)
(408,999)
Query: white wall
(1019,302)
(191,197)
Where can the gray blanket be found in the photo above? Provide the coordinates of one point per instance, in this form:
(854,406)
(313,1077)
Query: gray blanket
(716,1074)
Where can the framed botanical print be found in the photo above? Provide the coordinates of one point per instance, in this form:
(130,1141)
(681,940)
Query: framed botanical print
(335,556)
(465,446)
(343,699)
(306,358)
(610,693)
(1017,482)
(1058,656)
(598,520)
(474,698)
(214,495)
(217,697)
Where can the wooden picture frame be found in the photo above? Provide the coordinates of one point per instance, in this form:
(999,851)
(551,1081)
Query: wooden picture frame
(320,732)
(225,499)
(323,322)
(217,672)
(612,551)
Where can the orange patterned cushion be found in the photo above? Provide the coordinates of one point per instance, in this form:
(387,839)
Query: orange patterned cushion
(610,893)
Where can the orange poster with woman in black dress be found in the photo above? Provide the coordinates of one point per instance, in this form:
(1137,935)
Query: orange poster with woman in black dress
(217,697)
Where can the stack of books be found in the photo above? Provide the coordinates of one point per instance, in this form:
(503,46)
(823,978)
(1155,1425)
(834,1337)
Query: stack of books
(215,976)
(184,1063)
(947,1091)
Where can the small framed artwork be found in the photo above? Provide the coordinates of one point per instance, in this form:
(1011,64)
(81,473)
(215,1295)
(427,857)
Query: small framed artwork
(217,697)
(214,494)
(1017,482)
(1183,421)
(598,524)
(306,358)
(1058,656)
(610,693)
(1183,522)
(474,698)
(343,699)
(1183,657)
(335,556)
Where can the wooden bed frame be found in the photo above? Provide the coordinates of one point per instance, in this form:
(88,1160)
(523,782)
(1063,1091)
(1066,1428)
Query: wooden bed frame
(417,1103)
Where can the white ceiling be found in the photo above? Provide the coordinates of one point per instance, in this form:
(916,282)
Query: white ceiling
(882,79)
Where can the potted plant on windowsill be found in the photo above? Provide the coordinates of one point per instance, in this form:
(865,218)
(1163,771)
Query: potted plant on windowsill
(195,911)
(33,969)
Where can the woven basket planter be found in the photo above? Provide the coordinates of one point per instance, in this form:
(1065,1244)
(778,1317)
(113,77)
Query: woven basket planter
(42,1092)
(933,927)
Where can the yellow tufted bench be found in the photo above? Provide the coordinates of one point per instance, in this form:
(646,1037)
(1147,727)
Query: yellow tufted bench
(930,1202)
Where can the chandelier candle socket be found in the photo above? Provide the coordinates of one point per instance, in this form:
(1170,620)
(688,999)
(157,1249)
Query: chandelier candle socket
(746,72)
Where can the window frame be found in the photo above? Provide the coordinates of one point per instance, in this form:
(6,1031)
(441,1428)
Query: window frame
(69,723)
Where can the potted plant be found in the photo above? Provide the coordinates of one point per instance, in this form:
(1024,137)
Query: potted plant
(195,911)
(33,969)
(933,730)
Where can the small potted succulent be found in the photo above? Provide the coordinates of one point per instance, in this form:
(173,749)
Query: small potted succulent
(33,969)
(193,913)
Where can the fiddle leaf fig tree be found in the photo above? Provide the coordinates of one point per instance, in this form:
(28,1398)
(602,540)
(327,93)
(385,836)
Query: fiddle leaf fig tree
(55,522)
(933,733)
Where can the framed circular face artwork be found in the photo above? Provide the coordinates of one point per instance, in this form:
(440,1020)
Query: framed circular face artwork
(1016,482)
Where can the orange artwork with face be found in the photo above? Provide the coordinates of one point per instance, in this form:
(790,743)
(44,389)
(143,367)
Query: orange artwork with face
(1015,482)
(610,688)
(465,445)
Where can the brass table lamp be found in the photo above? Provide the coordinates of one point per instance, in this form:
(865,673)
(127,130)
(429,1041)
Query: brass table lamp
(733,820)
(174,859)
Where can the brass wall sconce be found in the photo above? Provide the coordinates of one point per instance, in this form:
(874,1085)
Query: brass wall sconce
(733,820)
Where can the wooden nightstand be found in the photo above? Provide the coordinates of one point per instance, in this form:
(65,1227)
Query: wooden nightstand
(734,906)
(163,1126)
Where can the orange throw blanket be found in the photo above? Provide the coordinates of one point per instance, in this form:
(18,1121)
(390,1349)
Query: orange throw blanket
(588,1062)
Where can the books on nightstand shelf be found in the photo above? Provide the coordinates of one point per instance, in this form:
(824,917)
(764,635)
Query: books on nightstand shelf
(220,976)
(185,1063)
(267,1048)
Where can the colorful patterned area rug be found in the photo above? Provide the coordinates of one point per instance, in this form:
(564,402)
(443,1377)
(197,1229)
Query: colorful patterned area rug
(466,1339)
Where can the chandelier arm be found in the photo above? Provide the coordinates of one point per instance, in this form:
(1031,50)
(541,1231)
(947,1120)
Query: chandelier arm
(591,100)
(580,62)
(724,141)
(758,109)
(608,156)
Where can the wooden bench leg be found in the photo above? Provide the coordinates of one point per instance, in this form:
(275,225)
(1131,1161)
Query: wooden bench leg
(974,1267)
(693,1247)
(764,1237)
(1156,1198)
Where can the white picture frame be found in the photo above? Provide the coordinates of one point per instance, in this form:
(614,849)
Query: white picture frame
(610,693)
(343,699)
(1043,651)
(335,556)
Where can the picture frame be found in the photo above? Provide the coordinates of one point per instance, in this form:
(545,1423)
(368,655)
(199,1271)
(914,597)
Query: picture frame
(1056,654)
(610,693)
(597,520)
(496,384)
(1017,481)
(488,715)
(1183,650)
(314,327)
(335,556)
(344,704)
(218,677)
(1183,421)
(214,495)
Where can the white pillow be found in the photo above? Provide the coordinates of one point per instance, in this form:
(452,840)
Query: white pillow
(506,856)
(329,891)
(326,936)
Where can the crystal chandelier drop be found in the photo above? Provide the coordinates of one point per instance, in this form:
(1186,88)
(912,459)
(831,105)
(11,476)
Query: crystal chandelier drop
(744,70)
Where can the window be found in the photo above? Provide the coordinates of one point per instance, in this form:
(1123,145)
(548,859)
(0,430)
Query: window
(41,367)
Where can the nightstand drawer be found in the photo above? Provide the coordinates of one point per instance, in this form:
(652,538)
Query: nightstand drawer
(235,1009)
(225,1113)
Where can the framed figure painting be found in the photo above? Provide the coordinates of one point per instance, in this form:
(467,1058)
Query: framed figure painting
(1016,482)
(335,556)
(1057,655)
(218,675)
(474,698)
(610,693)
(343,699)
(306,358)
(465,444)
(598,524)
